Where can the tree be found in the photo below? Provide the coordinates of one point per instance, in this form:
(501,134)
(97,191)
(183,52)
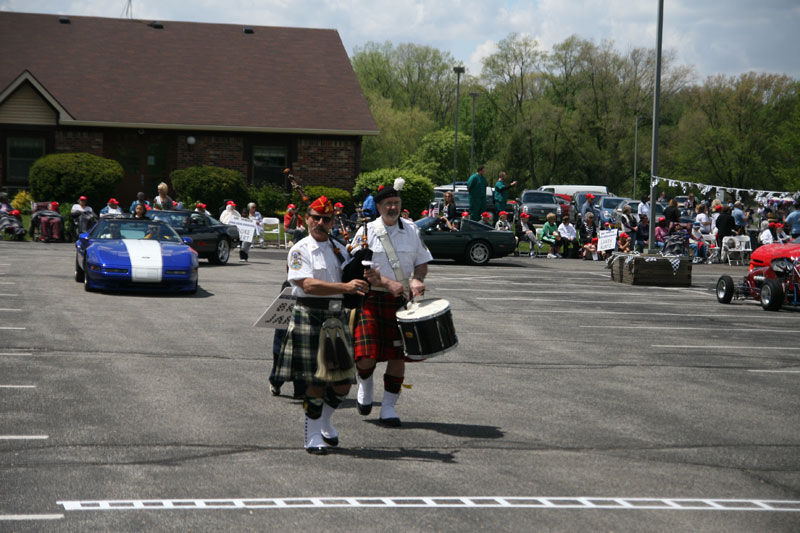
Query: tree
(65,177)
(416,194)
(399,137)
(434,157)
(212,185)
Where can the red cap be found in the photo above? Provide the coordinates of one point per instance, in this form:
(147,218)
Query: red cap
(661,218)
(53,206)
(291,206)
(625,235)
(113,201)
(148,208)
(486,214)
(340,204)
(465,214)
(322,205)
(772,225)
(594,240)
(231,202)
(425,213)
(14,212)
(82,198)
(501,213)
(590,196)
(512,202)
(404,210)
(525,215)
(718,208)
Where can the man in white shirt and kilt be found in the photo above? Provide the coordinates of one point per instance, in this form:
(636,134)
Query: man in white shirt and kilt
(401,258)
(317,347)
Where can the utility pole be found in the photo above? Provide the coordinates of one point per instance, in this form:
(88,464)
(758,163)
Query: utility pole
(472,146)
(459,70)
(653,249)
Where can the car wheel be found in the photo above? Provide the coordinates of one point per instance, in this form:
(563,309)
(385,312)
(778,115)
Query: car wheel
(725,289)
(80,275)
(194,289)
(222,254)
(478,253)
(772,295)
(86,285)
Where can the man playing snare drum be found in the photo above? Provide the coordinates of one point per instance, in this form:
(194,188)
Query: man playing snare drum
(401,260)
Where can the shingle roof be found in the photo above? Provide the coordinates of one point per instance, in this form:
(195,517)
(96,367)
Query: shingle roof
(103,70)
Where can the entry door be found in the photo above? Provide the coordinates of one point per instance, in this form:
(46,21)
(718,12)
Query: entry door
(145,160)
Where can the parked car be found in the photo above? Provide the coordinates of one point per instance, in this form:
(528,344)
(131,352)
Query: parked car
(461,197)
(211,238)
(577,201)
(605,207)
(474,243)
(538,203)
(130,254)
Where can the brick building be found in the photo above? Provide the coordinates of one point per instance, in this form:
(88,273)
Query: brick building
(159,96)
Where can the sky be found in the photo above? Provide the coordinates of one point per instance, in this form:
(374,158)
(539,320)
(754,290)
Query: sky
(728,37)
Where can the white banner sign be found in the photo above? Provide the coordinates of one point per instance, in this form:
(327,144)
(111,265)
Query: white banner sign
(247,228)
(279,313)
(606,239)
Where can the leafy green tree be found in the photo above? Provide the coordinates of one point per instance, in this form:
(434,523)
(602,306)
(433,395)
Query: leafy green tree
(65,177)
(400,134)
(416,194)
(434,157)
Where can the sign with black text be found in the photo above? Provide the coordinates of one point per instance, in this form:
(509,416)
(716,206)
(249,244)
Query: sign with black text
(279,313)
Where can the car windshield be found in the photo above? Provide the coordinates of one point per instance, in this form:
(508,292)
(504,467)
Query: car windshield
(609,203)
(176,219)
(538,198)
(116,228)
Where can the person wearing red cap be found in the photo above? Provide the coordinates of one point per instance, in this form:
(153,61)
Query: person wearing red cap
(661,231)
(486,218)
(315,272)
(229,213)
(341,223)
(111,208)
(11,224)
(402,260)
(502,222)
(82,218)
(200,207)
(624,243)
(588,206)
(780,234)
(81,206)
(525,232)
(293,223)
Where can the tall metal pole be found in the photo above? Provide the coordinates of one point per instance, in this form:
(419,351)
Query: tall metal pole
(459,71)
(635,156)
(472,145)
(654,151)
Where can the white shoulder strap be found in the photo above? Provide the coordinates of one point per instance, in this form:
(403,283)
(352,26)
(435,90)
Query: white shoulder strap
(394,261)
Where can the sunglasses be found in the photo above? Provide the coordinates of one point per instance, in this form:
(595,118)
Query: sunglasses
(318,218)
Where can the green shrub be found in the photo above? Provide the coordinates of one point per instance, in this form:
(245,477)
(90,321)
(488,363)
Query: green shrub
(210,185)
(271,200)
(65,177)
(22,201)
(416,194)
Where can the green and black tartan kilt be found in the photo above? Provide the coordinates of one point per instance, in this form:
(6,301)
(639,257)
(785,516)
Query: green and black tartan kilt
(298,357)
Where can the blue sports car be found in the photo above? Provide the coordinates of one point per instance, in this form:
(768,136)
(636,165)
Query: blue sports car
(131,254)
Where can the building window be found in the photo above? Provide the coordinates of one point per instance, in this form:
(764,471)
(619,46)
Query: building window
(22,152)
(268,165)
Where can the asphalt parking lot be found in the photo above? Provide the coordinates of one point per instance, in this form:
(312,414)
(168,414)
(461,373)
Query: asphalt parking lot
(572,403)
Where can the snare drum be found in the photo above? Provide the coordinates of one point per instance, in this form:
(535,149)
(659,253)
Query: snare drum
(426,328)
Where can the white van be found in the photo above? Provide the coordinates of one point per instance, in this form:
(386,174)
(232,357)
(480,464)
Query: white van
(569,190)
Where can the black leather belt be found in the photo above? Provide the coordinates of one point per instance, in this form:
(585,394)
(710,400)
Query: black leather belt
(330,304)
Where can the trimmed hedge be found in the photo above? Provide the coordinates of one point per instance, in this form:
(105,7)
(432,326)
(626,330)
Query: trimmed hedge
(334,194)
(210,185)
(416,194)
(65,177)
(271,200)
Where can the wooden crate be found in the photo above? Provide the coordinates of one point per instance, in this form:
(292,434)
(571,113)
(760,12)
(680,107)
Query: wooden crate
(658,273)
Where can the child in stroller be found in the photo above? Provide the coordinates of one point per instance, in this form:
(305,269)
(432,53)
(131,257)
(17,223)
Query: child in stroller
(47,224)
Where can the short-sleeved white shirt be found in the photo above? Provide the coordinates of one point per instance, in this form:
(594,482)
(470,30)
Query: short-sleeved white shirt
(312,259)
(643,209)
(705,222)
(407,245)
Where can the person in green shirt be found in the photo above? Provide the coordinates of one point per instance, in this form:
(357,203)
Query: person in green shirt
(476,185)
(501,192)
(551,236)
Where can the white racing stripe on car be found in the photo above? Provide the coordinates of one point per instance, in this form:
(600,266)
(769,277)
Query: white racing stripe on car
(145,258)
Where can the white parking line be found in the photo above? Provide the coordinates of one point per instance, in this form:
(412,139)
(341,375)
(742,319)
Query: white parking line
(642,313)
(12,327)
(711,347)
(605,290)
(777,371)
(9,309)
(710,330)
(24,437)
(16,353)
(448,502)
(31,516)
(9,295)
(8,282)
(17,386)
(585,303)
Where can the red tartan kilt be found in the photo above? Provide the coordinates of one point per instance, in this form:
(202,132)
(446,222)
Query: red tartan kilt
(376,329)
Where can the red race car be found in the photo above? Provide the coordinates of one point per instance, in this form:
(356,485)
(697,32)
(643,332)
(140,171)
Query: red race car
(773,279)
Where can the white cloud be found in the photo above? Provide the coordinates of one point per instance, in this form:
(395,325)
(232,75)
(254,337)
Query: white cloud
(483,50)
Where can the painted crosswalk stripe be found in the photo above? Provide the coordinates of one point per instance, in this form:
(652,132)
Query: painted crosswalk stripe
(449,502)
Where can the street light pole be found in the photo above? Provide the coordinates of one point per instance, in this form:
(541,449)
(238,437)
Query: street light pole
(635,156)
(459,70)
(472,146)
(653,249)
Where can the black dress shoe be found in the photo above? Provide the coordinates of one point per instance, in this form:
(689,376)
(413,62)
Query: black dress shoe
(364,410)
(317,450)
(390,422)
(331,441)
(275,391)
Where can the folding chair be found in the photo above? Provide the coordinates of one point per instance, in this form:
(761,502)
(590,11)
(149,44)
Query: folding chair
(739,253)
(713,252)
(272,226)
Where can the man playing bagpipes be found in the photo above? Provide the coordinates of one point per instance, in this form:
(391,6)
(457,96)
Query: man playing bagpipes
(318,347)
(400,258)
